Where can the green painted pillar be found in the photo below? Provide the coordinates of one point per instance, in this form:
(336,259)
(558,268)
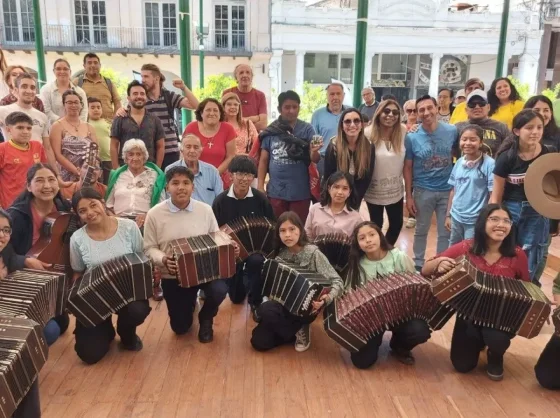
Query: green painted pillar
(185,49)
(201,48)
(41,73)
(503,39)
(360,58)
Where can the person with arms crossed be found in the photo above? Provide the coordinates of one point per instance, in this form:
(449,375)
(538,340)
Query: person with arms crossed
(369,106)
(427,167)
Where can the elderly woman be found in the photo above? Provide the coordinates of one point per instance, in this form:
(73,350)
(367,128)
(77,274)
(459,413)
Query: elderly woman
(12,72)
(51,93)
(217,137)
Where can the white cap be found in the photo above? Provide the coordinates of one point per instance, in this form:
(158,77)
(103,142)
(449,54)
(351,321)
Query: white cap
(461,93)
(477,93)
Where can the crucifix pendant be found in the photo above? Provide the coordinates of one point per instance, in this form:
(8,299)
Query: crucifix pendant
(210,145)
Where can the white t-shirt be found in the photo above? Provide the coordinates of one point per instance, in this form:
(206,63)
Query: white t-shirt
(387,182)
(40,121)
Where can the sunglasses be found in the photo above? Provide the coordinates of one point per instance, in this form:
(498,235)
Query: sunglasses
(349,122)
(388,111)
(409,111)
(479,103)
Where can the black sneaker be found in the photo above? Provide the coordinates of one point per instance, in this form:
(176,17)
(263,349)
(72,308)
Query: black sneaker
(255,313)
(137,345)
(205,333)
(495,368)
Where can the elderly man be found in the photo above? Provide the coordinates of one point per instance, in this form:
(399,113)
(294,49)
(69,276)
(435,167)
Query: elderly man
(460,112)
(325,119)
(207,182)
(369,106)
(494,132)
(253,101)
(95,85)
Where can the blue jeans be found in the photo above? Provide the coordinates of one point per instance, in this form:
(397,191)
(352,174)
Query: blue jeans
(532,230)
(428,202)
(460,231)
(52,332)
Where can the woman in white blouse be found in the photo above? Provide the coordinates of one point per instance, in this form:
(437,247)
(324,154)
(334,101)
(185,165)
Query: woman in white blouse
(51,93)
(386,190)
(136,186)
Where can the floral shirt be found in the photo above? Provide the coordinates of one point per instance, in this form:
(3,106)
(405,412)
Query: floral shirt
(132,195)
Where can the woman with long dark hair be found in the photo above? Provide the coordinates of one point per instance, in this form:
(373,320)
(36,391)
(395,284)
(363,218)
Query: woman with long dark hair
(277,325)
(512,163)
(504,100)
(351,152)
(338,210)
(493,250)
(28,213)
(371,256)
(386,190)
(102,238)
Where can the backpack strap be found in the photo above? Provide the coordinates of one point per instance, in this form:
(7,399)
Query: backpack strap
(81,80)
(109,85)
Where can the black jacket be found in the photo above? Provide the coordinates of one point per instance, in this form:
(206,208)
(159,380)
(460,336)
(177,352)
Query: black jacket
(226,208)
(22,221)
(11,260)
(296,148)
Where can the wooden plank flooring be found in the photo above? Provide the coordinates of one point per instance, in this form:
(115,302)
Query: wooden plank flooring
(179,377)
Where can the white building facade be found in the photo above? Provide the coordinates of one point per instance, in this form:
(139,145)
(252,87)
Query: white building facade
(413,47)
(128,33)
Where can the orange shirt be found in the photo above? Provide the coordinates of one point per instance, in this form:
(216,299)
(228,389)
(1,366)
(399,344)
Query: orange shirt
(14,163)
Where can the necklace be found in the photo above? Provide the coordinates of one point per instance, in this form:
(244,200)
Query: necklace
(209,139)
(77,128)
(527,156)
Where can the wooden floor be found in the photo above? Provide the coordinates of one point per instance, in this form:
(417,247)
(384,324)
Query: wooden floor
(179,377)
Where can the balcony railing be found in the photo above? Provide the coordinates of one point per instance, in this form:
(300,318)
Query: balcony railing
(123,40)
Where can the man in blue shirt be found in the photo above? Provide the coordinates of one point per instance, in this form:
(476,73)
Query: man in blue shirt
(207,182)
(427,167)
(286,152)
(325,119)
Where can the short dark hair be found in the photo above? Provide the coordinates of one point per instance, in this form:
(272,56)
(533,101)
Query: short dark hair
(480,245)
(91,55)
(288,95)
(135,83)
(474,80)
(23,76)
(426,97)
(242,164)
(18,117)
(202,105)
(446,89)
(6,215)
(178,171)
(85,193)
(71,92)
(389,97)
(61,60)
(91,100)
(352,201)
(294,219)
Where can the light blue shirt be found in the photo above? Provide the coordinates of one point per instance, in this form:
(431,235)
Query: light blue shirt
(175,209)
(472,188)
(207,182)
(431,157)
(325,124)
(86,253)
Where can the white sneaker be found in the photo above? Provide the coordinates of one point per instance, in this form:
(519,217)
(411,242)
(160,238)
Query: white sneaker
(411,223)
(303,339)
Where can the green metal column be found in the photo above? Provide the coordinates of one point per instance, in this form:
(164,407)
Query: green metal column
(185,48)
(359,60)
(503,40)
(42,75)
(201,48)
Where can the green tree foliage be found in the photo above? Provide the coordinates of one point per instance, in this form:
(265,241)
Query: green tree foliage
(119,80)
(312,99)
(552,94)
(214,85)
(522,88)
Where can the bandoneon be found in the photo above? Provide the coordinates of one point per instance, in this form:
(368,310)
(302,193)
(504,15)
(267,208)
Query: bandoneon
(336,248)
(362,313)
(35,294)
(23,352)
(293,286)
(203,258)
(509,305)
(108,287)
(253,234)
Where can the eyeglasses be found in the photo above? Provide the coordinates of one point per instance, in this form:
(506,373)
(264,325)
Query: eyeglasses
(480,103)
(244,176)
(72,103)
(409,111)
(388,111)
(349,122)
(6,231)
(496,220)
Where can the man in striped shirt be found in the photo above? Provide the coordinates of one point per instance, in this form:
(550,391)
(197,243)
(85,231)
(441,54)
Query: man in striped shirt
(162,103)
